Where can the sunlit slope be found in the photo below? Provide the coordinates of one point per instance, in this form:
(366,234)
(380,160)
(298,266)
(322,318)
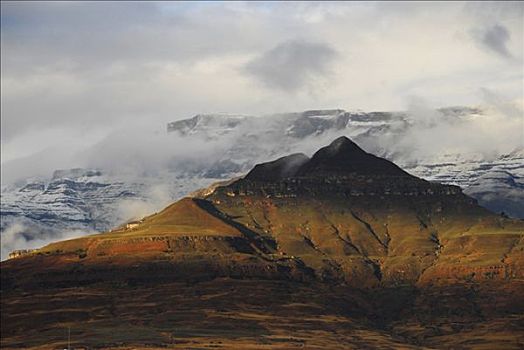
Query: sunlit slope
(184,220)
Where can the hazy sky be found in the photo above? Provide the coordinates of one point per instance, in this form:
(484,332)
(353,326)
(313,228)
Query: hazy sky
(72,73)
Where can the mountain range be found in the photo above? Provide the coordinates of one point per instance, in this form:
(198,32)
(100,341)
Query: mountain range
(343,249)
(79,200)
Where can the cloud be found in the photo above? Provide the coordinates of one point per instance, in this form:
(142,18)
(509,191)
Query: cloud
(496,27)
(434,136)
(292,65)
(498,102)
(24,235)
(157,197)
(495,39)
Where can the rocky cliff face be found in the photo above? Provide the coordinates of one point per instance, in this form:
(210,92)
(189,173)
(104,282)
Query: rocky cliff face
(68,200)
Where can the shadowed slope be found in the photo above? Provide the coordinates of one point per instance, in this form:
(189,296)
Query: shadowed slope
(344,157)
(279,169)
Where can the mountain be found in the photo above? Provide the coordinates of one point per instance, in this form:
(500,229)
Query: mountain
(341,250)
(343,157)
(69,199)
(500,190)
(98,199)
(370,207)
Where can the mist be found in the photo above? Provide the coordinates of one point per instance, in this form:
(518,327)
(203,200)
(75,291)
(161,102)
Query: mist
(22,235)
(149,151)
(488,135)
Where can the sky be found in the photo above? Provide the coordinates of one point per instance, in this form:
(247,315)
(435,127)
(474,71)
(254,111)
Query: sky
(75,74)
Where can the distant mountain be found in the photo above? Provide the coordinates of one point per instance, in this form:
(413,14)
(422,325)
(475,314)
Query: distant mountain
(297,243)
(70,199)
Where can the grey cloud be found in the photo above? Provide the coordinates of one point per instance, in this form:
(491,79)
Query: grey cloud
(495,38)
(86,64)
(495,23)
(291,65)
(87,37)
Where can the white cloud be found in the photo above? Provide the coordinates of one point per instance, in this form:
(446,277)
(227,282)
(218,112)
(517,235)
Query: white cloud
(20,235)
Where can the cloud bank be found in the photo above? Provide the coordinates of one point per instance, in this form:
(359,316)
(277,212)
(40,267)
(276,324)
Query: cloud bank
(81,81)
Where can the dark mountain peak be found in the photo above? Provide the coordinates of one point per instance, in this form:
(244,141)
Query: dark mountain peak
(344,157)
(278,169)
(341,145)
(340,158)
